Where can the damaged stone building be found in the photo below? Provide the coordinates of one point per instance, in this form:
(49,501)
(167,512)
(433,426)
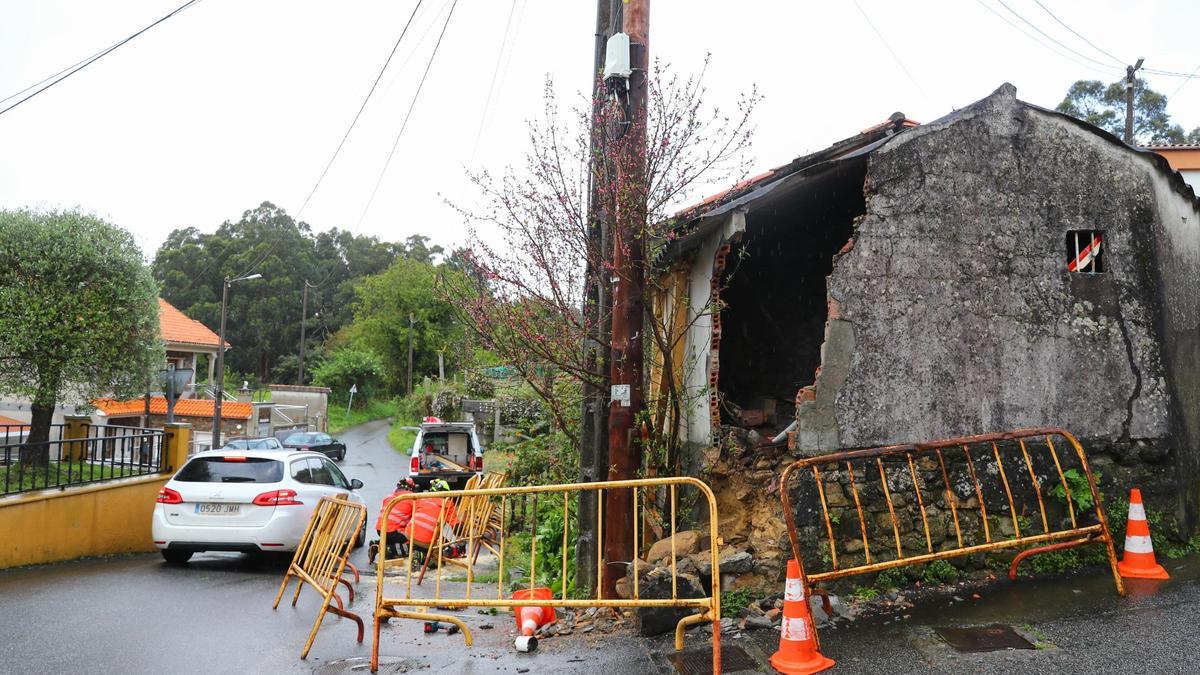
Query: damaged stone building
(1005,266)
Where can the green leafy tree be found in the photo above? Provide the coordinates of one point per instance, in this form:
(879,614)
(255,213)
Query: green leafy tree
(381,320)
(347,367)
(78,315)
(1104,106)
(263,317)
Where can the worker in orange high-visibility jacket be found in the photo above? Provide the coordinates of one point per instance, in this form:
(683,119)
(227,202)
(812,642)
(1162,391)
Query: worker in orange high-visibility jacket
(397,522)
(426,513)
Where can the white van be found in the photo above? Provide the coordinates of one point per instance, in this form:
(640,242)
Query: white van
(447,450)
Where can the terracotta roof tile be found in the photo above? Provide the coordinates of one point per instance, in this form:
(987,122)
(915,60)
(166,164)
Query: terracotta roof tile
(184,407)
(176,326)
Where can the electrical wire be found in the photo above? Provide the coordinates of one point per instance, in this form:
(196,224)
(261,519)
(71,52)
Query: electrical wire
(891,51)
(1040,43)
(80,65)
(1185,82)
(407,115)
(1171,73)
(491,88)
(1076,34)
(1049,37)
(341,144)
(362,107)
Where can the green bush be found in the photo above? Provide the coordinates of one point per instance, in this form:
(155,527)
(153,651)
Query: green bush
(938,572)
(865,593)
(890,579)
(479,386)
(733,602)
(349,367)
(1081,492)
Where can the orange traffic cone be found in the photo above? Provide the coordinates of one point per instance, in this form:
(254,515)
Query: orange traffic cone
(1138,561)
(529,619)
(797,653)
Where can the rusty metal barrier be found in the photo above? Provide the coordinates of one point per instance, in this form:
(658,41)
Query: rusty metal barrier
(323,556)
(1019,468)
(488,501)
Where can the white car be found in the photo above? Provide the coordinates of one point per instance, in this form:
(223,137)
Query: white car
(244,500)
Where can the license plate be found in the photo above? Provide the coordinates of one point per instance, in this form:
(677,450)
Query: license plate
(219,509)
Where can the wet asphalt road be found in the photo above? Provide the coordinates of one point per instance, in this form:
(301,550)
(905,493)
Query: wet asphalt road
(134,614)
(1082,626)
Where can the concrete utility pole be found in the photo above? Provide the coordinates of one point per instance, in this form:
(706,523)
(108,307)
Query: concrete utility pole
(1130,80)
(597,304)
(629,264)
(411,321)
(303,325)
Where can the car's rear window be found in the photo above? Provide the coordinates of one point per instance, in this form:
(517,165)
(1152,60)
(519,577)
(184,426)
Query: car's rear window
(300,438)
(227,470)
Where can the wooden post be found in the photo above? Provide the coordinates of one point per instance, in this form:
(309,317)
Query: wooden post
(624,444)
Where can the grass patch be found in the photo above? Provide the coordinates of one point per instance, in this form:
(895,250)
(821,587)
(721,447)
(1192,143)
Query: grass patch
(16,479)
(865,593)
(340,420)
(402,439)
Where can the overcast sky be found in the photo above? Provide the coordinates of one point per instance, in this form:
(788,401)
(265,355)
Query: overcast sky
(233,102)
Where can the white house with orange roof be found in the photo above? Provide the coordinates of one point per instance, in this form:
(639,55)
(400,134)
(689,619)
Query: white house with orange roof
(186,341)
(1184,158)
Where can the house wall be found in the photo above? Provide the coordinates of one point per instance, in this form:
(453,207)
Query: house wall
(316,398)
(698,359)
(101,519)
(1177,257)
(954,314)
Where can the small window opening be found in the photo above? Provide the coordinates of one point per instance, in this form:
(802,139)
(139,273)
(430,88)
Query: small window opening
(1084,253)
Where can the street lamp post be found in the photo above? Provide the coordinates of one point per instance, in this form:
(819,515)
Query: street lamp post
(220,393)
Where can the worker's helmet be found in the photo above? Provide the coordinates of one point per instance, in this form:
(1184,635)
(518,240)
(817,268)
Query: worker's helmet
(439,485)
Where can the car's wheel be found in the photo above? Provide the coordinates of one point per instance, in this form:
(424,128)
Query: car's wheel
(176,557)
(362,537)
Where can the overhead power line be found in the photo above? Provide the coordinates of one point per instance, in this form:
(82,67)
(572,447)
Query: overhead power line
(895,56)
(491,87)
(1050,37)
(1042,44)
(362,107)
(63,74)
(1189,79)
(407,115)
(342,143)
(1091,44)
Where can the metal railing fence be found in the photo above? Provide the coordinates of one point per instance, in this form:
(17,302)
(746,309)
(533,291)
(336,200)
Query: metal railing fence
(886,507)
(79,455)
(491,514)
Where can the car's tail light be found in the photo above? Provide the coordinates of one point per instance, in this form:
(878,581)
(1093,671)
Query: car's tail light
(415,466)
(230,458)
(479,463)
(277,498)
(168,496)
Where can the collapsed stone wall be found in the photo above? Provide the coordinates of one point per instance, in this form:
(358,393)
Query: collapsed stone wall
(952,311)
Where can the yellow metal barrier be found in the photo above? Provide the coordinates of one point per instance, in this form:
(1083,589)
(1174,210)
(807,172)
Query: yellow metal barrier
(323,555)
(1020,469)
(484,503)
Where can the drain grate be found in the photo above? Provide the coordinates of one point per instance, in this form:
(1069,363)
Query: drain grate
(699,662)
(993,638)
